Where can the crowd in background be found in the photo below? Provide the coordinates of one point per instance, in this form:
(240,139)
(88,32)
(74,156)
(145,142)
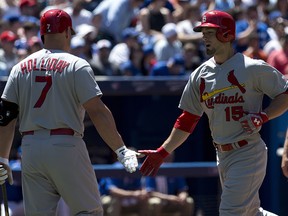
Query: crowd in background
(145,37)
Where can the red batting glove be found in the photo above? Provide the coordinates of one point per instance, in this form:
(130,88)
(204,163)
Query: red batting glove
(153,161)
(252,121)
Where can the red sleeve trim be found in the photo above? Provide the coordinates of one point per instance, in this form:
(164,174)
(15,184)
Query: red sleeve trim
(186,122)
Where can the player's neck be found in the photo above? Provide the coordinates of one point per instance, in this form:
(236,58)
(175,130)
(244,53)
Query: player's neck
(222,57)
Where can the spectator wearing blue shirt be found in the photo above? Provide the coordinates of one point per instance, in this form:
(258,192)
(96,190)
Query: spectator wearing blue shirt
(248,25)
(175,66)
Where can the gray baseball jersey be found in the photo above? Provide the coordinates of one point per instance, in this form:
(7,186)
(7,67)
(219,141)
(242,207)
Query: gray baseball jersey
(50,87)
(225,91)
(52,83)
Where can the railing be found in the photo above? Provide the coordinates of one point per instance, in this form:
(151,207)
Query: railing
(189,169)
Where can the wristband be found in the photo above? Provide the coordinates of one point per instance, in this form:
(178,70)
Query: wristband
(120,150)
(264,117)
(162,152)
(4,160)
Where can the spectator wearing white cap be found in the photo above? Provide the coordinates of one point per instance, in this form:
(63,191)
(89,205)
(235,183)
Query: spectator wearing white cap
(99,62)
(77,47)
(78,13)
(120,53)
(168,46)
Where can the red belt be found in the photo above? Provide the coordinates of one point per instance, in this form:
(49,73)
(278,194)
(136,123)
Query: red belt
(58,131)
(230,146)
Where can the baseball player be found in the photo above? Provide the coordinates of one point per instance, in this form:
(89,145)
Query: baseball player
(229,88)
(50,91)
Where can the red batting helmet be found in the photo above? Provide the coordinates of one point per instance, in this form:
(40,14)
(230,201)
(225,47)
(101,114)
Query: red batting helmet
(221,20)
(55,21)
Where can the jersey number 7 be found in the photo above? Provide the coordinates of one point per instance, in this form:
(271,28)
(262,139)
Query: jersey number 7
(41,99)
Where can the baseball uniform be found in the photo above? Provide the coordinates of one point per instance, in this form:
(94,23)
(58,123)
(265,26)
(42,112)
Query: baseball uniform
(50,87)
(225,92)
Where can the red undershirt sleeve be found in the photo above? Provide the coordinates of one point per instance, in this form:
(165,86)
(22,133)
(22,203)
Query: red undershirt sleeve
(186,122)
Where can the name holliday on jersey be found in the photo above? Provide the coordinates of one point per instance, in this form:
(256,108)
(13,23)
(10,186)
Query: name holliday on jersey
(50,64)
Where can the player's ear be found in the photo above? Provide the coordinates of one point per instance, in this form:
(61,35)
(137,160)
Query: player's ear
(67,33)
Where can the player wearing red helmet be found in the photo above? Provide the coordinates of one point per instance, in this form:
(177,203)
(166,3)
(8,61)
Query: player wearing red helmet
(223,22)
(51,90)
(55,21)
(229,88)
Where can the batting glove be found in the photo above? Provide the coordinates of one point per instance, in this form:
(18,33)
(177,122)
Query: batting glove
(5,171)
(252,122)
(153,161)
(128,158)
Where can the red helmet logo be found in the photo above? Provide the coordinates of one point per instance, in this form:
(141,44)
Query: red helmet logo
(55,21)
(224,23)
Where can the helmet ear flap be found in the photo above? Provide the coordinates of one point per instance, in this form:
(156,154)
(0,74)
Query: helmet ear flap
(224,36)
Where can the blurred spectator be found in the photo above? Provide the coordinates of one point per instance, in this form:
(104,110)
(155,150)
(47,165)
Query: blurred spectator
(77,47)
(88,33)
(203,5)
(99,62)
(169,194)
(78,13)
(52,4)
(148,60)
(86,30)
(29,8)
(8,57)
(175,66)
(249,25)
(120,53)
(185,27)
(133,66)
(153,17)
(282,6)
(124,195)
(12,22)
(31,26)
(223,5)
(191,57)
(34,44)
(279,58)
(9,8)
(276,31)
(253,50)
(181,7)
(21,49)
(169,45)
(111,17)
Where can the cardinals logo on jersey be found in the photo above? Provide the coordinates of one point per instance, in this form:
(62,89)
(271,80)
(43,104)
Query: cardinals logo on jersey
(221,98)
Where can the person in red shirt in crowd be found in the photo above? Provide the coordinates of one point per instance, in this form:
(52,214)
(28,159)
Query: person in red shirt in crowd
(279,58)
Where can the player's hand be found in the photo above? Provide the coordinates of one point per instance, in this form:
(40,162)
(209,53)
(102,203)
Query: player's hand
(128,158)
(153,161)
(5,171)
(252,122)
